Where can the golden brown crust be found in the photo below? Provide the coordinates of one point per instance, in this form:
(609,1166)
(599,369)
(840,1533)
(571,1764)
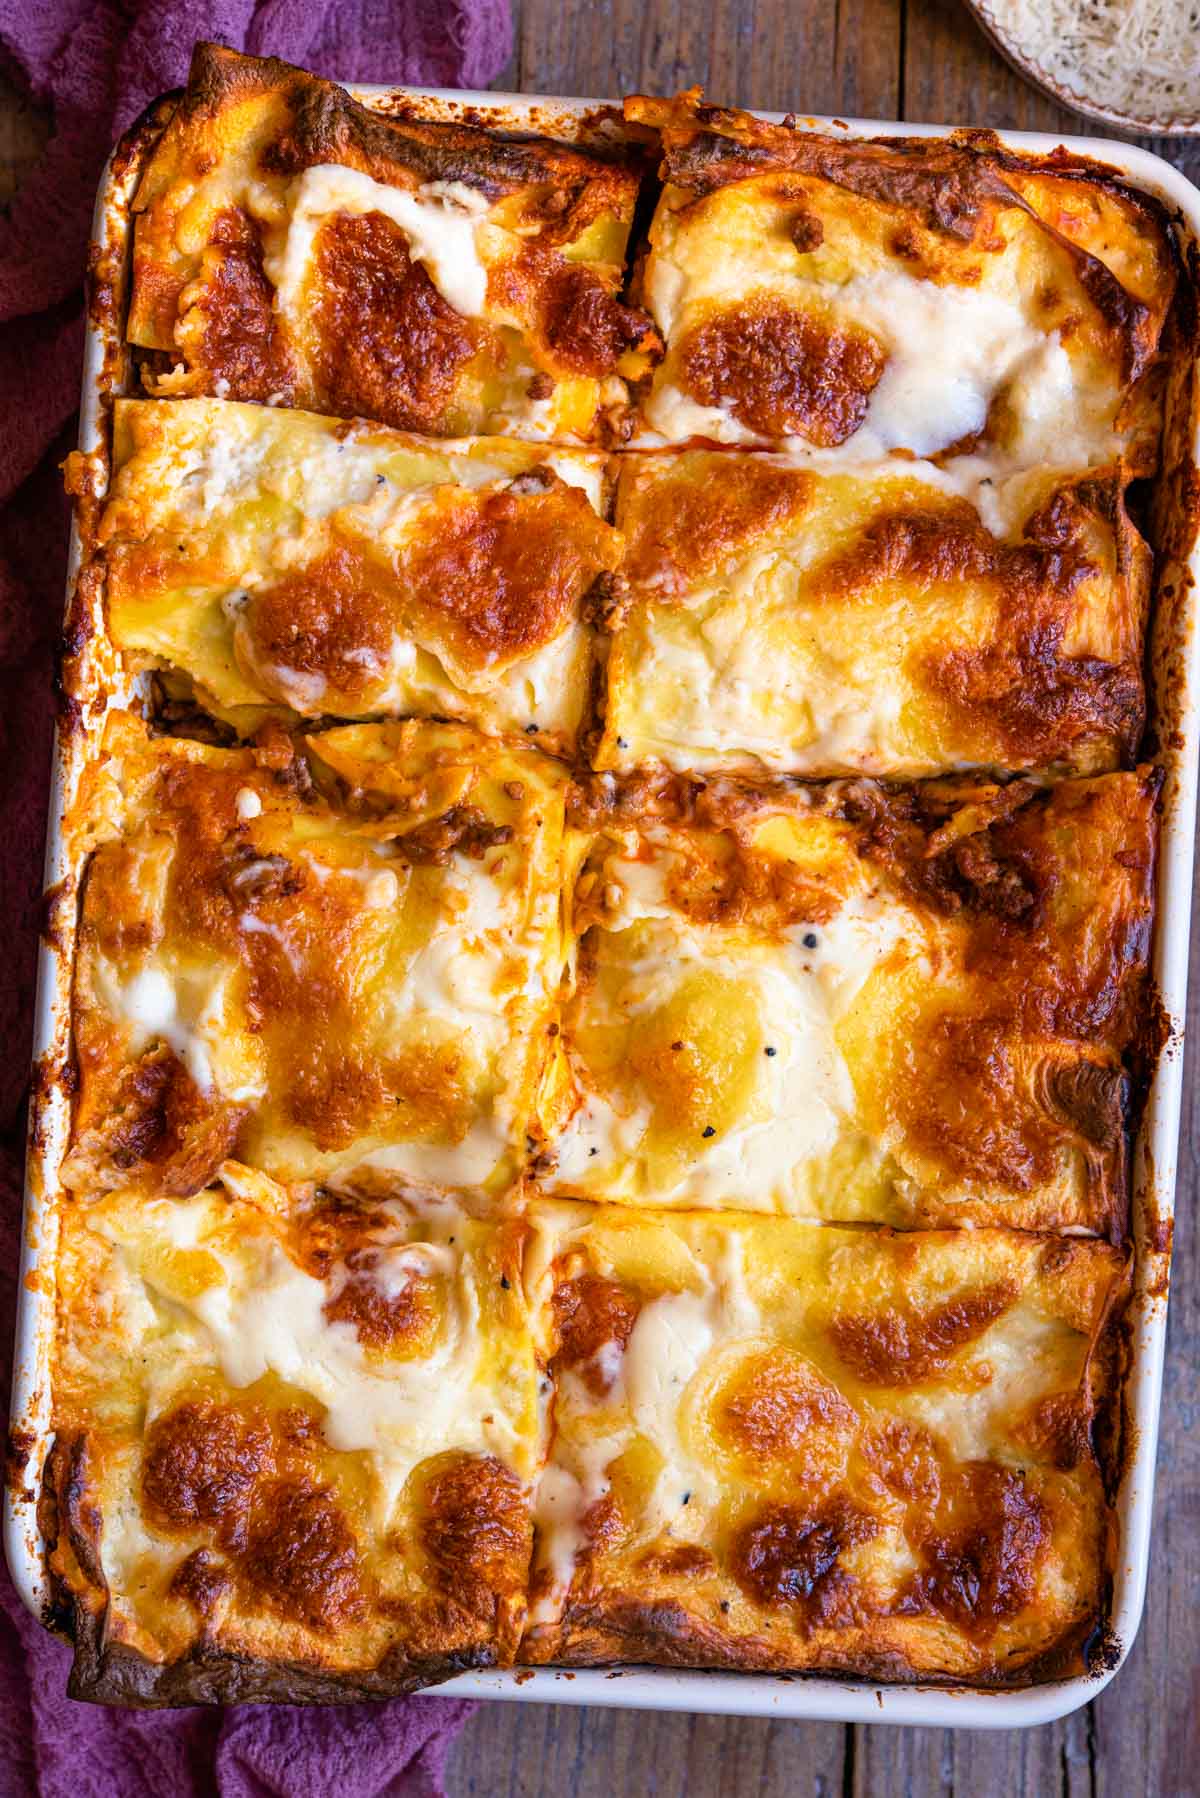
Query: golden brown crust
(265,1553)
(953,188)
(380,1539)
(832,1518)
(846,251)
(780,373)
(986,1038)
(296,914)
(823,621)
(392,575)
(376,335)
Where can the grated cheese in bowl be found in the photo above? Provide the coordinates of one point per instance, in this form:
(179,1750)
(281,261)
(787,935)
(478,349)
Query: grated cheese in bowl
(1132,60)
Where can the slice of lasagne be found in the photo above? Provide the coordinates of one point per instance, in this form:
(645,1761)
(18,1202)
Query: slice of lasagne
(294,1445)
(908,1007)
(295,247)
(928,298)
(887,618)
(286,562)
(331,961)
(780,1446)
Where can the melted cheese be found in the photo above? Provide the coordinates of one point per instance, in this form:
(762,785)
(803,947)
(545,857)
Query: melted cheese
(672,1341)
(428,983)
(950,349)
(275,1323)
(997,305)
(439,220)
(803,1099)
(798,646)
(250,1311)
(221,185)
(191,1013)
(1004,1385)
(216,504)
(726,1303)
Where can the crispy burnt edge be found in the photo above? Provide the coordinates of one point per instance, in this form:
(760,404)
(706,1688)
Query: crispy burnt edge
(602,1629)
(327,124)
(114,1673)
(1172,519)
(629,1633)
(945,181)
(87,475)
(327,119)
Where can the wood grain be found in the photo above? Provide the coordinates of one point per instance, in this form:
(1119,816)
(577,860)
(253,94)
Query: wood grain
(923,60)
(517,1751)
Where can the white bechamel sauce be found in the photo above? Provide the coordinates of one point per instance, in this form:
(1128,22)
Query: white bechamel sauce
(470,1162)
(148,1002)
(950,349)
(439,220)
(228,462)
(803,1094)
(381,891)
(559,1506)
(726,695)
(671,1340)
(267,1315)
(542,688)
(676,416)
(190,1013)
(976,1419)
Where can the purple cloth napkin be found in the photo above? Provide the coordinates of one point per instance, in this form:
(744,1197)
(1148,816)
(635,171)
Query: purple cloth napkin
(98,63)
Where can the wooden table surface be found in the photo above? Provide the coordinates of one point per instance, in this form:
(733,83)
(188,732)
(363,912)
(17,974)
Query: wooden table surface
(887,59)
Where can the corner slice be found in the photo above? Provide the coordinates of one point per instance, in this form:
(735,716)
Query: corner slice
(307,566)
(892,619)
(908,1007)
(780,1446)
(331,961)
(294,247)
(294,1448)
(918,296)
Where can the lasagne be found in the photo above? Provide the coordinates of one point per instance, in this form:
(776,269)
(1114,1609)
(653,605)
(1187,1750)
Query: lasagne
(946,299)
(297,565)
(294,247)
(906,1007)
(611,850)
(333,959)
(889,618)
(780,1446)
(295,1444)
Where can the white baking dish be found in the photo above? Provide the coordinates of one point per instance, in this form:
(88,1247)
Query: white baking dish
(1175,699)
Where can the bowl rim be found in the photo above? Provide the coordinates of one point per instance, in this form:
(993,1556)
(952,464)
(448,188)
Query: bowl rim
(1178,124)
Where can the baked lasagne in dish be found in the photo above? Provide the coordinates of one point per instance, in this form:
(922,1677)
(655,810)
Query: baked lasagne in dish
(614,844)
(293,247)
(278,562)
(777,1446)
(331,959)
(892,1007)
